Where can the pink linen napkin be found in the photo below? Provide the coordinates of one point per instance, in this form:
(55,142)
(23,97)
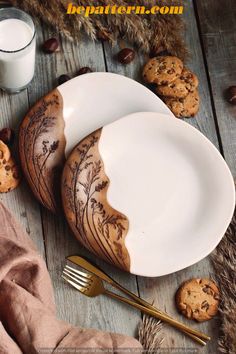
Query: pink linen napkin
(28,323)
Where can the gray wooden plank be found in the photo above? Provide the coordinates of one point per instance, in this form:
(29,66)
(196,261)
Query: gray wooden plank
(132,70)
(99,312)
(102,313)
(162,290)
(218,28)
(20,201)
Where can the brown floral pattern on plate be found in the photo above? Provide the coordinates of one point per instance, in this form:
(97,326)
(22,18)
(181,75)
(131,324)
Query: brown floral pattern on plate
(98,226)
(42,149)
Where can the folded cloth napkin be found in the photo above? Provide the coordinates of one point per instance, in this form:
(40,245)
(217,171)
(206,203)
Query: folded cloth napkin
(28,323)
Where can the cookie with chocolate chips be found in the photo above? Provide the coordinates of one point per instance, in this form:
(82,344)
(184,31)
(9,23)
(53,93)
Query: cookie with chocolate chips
(184,107)
(187,82)
(9,173)
(162,70)
(198,299)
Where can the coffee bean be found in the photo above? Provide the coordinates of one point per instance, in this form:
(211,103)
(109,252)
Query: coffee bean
(51,45)
(84,70)
(63,78)
(7,136)
(231,95)
(126,56)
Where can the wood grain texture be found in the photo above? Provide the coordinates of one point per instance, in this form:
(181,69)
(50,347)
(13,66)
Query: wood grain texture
(42,149)
(98,226)
(101,312)
(218,27)
(20,201)
(162,290)
(217,24)
(204,121)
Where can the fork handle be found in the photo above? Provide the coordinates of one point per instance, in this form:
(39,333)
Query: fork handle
(160,316)
(148,305)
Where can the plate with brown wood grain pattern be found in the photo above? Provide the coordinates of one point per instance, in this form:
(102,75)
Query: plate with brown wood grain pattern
(66,115)
(148,194)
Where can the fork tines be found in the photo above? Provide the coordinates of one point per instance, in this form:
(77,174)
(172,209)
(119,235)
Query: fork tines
(80,280)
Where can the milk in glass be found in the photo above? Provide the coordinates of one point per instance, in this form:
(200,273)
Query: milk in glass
(17,49)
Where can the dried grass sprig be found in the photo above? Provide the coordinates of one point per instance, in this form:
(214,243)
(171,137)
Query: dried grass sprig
(149,33)
(224,261)
(150,334)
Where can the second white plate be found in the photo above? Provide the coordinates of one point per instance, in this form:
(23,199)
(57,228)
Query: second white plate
(93,100)
(162,179)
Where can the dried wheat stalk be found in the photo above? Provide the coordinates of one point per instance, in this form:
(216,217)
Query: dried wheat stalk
(149,33)
(224,261)
(150,334)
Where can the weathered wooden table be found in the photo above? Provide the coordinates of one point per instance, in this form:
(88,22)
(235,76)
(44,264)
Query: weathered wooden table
(211,38)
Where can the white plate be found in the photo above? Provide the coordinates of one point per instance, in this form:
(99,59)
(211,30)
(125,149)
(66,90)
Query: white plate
(66,115)
(172,185)
(93,100)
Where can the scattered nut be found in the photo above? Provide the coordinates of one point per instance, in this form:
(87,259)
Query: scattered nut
(231,95)
(84,70)
(63,78)
(126,56)
(7,136)
(51,45)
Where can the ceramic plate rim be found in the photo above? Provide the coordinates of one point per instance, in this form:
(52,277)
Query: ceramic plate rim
(225,223)
(125,78)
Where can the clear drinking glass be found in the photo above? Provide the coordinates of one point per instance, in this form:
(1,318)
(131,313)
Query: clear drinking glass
(17,49)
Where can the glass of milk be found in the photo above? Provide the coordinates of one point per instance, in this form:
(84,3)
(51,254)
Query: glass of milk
(17,49)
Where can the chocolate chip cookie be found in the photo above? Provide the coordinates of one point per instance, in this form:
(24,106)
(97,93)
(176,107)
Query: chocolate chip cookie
(180,88)
(4,153)
(198,299)
(9,173)
(162,70)
(184,107)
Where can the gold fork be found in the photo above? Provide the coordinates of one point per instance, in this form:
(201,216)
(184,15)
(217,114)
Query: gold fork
(90,285)
(85,264)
